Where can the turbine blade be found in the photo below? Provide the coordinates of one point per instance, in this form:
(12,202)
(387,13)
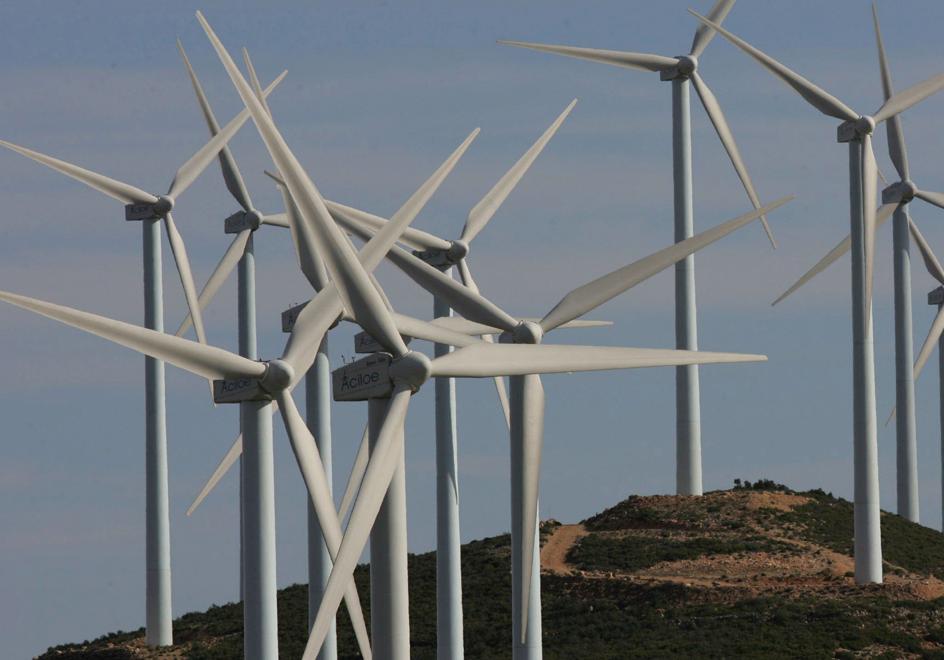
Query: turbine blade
(310,465)
(414,238)
(199,359)
(905,99)
(312,324)
(467,327)
(930,342)
(386,456)
(483,211)
(226,265)
(235,451)
(186,276)
(882,215)
(716,116)
(427,331)
(254,81)
(310,262)
(231,174)
(814,95)
(532,436)
(935,198)
(896,138)
(356,477)
(930,261)
(489,360)
(704,34)
(123,192)
(639,61)
(593,294)
(351,282)
(276,220)
(190,170)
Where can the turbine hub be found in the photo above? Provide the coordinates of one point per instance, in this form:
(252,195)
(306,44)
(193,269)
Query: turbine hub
(908,190)
(527,332)
(458,250)
(278,375)
(687,64)
(414,369)
(253,219)
(865,125)
(163,205)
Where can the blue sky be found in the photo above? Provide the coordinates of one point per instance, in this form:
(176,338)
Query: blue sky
(377,96)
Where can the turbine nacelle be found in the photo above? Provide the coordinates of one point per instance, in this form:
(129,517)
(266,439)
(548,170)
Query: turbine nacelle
(242,220)
(855,129)
(149,211)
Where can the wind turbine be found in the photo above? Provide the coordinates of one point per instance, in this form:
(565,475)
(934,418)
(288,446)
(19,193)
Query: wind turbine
(399,372)
(445,254)
(150,210)
(856,130)
(936,332)
(527,393)
(680,71)
(896,199)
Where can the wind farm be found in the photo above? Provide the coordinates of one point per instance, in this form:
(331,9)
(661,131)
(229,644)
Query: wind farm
(523,194)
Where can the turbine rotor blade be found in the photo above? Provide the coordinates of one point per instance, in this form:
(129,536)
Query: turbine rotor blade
(909,97)
(930,342)
(639,61)
(593,294)
(276,220)
(186,276)
(309,260)
(226,265)
(881,216)
(190,170)
(254,81)
(486,207)
(414,238)
(232,455)
(357,475)
(123,192)
(489,360)
(231,174)
(207,361)
(713,108)
(386,456)
(310,465)
(930,261)
(896,138)
(704,34)
(427,331)
(814,95)
(869,184)
(935,198)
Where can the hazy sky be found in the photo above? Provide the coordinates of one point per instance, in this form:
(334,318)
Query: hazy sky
(377,96)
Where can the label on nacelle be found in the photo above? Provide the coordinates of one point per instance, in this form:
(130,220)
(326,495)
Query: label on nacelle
(289,316)
(365,343)
(140,212)
(238,390)
(367,378)
(236,223)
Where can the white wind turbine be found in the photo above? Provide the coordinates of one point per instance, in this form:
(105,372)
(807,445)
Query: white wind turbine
(485,317)
(857,130)
(398,372)
(935,333)
(150,210)
(896,199)
(680,71)
(445,254)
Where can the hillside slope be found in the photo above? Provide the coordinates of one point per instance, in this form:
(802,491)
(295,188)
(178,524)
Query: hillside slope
(758,571)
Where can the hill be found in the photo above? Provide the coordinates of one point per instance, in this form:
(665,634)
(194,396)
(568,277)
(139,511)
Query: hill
(756,571)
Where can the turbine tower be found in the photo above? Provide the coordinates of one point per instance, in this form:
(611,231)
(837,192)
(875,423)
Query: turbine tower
(856,130)
(681,71)
(151,210)
(935,334)
(896,199)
